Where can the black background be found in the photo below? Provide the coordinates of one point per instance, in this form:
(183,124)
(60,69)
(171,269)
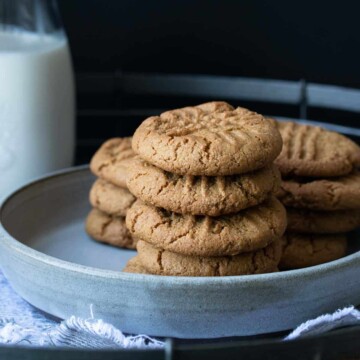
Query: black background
(317,40)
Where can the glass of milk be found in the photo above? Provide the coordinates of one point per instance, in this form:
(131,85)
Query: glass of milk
(37,104)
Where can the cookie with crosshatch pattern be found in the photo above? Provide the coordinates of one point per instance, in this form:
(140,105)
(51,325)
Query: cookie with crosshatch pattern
(312,151)
(322,222)
(201,195)
(161,262)
(110,199)
(338,193)
(109,229)
(245,231)
(112,159)
(303,250)
(210,139)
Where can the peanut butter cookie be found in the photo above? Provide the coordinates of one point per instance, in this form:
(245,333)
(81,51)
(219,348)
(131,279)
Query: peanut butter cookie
(301,251)
(315,152)
(322,222)
(111,161)
(342,193)
(162,262)
(134,266)
(245,231)
(110,199)
(109,229)
(210,139)
(201,195)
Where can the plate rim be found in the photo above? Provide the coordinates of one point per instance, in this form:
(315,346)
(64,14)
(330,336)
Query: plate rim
(12,244)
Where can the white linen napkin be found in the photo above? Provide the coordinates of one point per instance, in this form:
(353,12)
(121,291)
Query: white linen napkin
(21,323)
(324,323)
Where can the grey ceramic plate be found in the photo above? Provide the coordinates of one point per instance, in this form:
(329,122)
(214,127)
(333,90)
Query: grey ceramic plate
(54,265)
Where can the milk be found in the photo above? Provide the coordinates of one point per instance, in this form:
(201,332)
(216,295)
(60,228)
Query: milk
(36,107)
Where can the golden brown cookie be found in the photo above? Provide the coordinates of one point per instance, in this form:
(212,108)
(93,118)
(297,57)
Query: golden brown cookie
(110,199)
(109,229)
(342,193)
(197,141)
(134,266)
(301,251)
(111,161)
(322,222)
(162,262)
(315,152)
(245,231)
(201,195)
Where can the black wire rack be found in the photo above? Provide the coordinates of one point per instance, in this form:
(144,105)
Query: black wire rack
(340,345)
(115,104)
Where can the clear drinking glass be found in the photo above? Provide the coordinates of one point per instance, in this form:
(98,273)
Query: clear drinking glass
(37,106)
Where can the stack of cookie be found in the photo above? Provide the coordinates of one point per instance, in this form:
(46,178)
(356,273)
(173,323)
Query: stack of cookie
(321,190)
(109,195)
(205,183)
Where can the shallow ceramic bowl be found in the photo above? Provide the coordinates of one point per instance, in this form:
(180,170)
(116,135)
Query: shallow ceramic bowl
(52,263)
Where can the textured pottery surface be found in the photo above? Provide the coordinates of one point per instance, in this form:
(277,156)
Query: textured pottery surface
(52,263)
